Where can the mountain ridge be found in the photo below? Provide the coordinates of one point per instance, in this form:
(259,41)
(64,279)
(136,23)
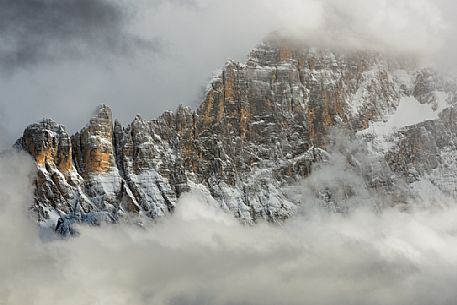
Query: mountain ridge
(262,126)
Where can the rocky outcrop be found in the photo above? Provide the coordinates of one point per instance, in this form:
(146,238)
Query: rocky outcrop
(93,145)
(50,146)
(428,149)
(260,128)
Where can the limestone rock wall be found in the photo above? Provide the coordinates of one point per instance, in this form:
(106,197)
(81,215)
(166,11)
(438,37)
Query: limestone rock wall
(261,127)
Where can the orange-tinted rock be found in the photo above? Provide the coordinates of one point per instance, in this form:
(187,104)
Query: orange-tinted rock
(93,145)
(49,144)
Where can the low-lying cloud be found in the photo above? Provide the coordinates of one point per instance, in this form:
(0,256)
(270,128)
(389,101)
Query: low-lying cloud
(201,255)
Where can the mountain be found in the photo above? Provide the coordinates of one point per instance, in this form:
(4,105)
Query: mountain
(263,126)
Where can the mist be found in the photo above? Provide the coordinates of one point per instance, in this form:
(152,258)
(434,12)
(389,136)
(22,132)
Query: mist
(60,59)
(203,255)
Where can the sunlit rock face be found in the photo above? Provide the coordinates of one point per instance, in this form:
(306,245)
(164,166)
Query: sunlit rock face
(50,146)
(262,127)
(93,145)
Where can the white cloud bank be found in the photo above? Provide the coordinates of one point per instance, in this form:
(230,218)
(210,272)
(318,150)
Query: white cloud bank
(202,256)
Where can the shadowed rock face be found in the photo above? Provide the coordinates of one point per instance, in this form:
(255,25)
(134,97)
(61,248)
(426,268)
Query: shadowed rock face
(428,149)
(259,129)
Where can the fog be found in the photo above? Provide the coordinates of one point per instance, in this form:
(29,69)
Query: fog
(201,255)
(60,59)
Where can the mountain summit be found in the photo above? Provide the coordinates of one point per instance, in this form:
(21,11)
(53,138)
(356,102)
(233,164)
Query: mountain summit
(263,126)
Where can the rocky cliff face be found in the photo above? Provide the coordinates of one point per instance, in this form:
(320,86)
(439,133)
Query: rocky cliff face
(260,129)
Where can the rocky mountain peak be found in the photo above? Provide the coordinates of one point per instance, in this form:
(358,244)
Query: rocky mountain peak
(49,144)
(262,127)
(101,122)
(93,145)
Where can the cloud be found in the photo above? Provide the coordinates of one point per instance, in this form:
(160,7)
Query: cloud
(3,130)
(195,38)
(201,255)
(386,23)
(37,31)
(40,30)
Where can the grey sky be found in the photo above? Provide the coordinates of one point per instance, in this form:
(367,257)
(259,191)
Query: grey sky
(60,58)
(36,31)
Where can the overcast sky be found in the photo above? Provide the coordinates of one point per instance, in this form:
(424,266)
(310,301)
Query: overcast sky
(61,58)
